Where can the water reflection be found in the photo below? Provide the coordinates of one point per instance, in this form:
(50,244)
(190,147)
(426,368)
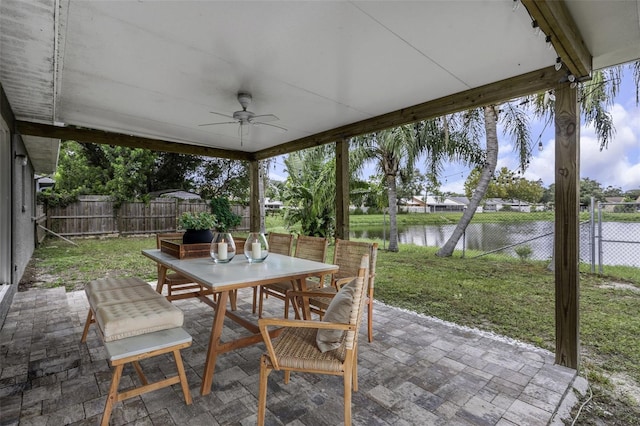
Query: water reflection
(504,238)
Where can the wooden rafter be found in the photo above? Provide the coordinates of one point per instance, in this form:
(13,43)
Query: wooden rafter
(111,138)
(553,18)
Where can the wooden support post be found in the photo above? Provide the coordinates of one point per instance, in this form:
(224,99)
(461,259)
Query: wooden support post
(254,197)
(567,224)
(342,189)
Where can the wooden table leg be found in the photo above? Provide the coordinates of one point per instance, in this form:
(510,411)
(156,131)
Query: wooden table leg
(306,311)
(214,343)
(162,276)
(233,298)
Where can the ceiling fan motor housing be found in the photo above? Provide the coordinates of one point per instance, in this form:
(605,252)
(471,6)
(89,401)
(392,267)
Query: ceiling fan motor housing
(245,99)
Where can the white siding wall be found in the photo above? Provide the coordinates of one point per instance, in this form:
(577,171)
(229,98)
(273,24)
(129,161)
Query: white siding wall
(23,210)
(7,289)
(5,204)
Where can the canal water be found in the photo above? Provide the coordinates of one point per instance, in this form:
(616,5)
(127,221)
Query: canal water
(620,240)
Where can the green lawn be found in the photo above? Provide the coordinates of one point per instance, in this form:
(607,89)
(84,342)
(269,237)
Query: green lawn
(509,297)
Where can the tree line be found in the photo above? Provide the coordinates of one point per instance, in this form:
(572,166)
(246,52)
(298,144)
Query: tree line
(129,174)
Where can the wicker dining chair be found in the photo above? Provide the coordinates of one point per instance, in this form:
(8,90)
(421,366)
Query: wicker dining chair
(345,255)
(279,244)
(310,248)
(329,346)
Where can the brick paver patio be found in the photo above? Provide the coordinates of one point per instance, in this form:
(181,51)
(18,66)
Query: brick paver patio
(418,371)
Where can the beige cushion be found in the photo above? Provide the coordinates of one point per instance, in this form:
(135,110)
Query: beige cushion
(339,310)
(118,321)
(112,283)
(112,296)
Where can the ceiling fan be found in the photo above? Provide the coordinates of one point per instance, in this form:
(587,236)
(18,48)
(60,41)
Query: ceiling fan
(245,118)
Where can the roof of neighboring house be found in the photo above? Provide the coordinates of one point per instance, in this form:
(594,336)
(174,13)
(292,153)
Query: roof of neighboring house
(44,179)
(614,199)
(273,202)
(433,200)
(460,200)
(511,202)
(182,195)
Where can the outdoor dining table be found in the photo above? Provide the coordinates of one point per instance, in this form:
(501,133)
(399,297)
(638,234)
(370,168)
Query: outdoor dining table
(237,274)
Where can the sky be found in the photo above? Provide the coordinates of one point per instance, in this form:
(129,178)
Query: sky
(617,166)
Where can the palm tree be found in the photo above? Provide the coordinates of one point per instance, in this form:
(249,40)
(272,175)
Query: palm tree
(595,96)
(394,151)
(309,191)
(491,160)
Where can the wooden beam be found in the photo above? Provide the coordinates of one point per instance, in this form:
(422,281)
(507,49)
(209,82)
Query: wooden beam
(501,91)
(342,189)
(554,20)
(567,226)
(254,196)
(110,138)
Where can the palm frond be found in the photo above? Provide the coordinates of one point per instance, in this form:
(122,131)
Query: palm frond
(516,124)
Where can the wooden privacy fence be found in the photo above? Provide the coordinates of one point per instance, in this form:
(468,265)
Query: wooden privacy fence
(41,222)
(93,216)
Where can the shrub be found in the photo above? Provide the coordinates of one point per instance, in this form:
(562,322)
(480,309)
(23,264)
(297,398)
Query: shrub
(524,252)
(56,199)
(225,218)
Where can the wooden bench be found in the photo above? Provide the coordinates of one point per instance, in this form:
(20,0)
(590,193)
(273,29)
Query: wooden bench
(135,322)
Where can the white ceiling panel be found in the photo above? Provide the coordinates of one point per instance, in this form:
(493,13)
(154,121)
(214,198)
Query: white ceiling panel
(159,68)
(610,29)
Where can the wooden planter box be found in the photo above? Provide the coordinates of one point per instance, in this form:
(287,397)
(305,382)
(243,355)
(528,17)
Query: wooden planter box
(184,251)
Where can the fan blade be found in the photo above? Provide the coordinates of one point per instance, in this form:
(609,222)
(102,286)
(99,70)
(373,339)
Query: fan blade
(222,115)
(213,124)
(265,118)
(259,123)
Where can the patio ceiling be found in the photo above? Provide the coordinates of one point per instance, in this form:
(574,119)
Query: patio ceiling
(149,73)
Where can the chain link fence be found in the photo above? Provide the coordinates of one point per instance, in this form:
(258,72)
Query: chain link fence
(525,240)
(616,235)
(611,236)
(510,236)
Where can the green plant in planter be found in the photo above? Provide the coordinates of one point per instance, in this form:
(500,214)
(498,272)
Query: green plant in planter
(197,221)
